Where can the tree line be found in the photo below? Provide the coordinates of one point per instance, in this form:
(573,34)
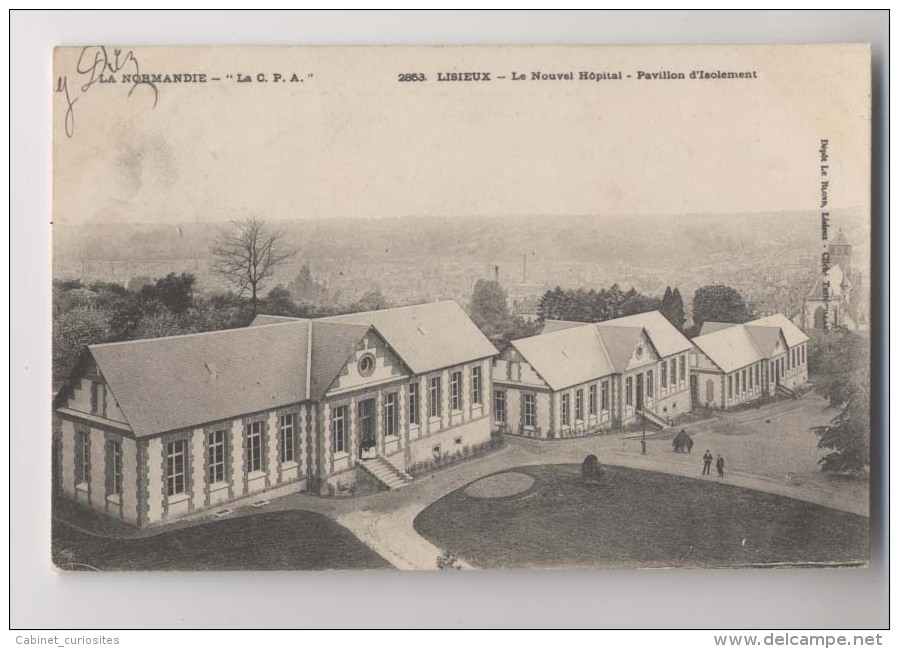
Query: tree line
(717,303)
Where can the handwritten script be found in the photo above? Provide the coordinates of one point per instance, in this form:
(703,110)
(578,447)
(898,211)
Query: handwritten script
(95,65)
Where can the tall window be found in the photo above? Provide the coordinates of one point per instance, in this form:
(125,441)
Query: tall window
(434,397)
(499,406)
(338,429)
(579,405)
(730,386)
(683,367)
(175,467)
(674,372)
(737,381)
(82,456)
(566,409)
(287,426)
(745,384)
(530,410)
(629,391)
(476,384)
(650,384)
(663,374)
(781,361)
(802,353)
(113,467)
(254,446)
(95,397)
(215,457)
(414,417)
(591,399)
(390,413)
(604,399)
(456,391)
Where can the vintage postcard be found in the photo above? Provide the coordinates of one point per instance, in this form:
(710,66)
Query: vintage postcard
(460,307)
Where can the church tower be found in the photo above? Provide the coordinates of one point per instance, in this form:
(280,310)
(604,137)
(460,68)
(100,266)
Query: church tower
(841,253)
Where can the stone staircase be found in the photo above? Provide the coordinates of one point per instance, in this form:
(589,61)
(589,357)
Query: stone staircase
(385,473)
(654,419)
(787,392)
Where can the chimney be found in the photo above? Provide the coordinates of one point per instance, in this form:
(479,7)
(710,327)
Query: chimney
(496,274)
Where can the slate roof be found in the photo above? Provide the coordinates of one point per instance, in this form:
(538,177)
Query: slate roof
(549,326)
(619,343)
(665,337)
(737,346)
(709,326)
(426,337)
(164,384)
(730,348)
(569,353)
(566,357)
(792,334)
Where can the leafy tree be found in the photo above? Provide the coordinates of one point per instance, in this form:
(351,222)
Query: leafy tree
(672,307)
(247,255)
(72,330)
(848,436)
(279,302)
(305,288)
(488,307)
(371,301)
(581,305)
(158,325)
(837,363)
(175,291)
(719,303)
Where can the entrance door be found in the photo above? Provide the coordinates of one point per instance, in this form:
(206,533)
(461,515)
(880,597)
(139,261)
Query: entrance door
(640,391)
(694,390)
(365,427)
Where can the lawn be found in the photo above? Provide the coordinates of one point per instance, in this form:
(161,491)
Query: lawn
(638,519)
(285,540)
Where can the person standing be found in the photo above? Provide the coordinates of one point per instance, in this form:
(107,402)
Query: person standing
(707,463)
(719,464)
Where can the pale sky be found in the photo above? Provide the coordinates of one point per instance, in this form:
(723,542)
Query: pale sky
(353,141)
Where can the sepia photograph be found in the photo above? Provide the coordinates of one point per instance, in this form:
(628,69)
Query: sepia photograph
(460,308)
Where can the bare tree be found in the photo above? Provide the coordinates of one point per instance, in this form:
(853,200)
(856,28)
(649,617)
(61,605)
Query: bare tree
(247,253)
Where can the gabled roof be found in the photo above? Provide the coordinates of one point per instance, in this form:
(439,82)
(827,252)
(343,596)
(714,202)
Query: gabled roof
(619,343)
(709,326)
(426,337)
(765,338)
(549,326)
(164,384)
(837,279)
(566,357)
(730,348)
(569,353)
(792,334)
(332,345)
(265,319)
(665,337)
(178,382)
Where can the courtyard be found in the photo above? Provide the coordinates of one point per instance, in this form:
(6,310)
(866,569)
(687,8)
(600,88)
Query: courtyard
(635,518)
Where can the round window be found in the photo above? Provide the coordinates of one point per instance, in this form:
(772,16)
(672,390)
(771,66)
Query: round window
(366,365)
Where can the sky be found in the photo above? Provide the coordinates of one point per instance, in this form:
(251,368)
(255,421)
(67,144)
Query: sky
(351,140)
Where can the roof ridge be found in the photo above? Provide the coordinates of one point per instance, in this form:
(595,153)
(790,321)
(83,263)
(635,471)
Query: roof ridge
(195,334)
(392,308)
(602,344)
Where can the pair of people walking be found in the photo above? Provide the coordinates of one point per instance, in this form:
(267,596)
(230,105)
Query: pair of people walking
(707,464)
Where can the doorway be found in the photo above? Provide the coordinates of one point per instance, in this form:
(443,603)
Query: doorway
(365,426)
(640,391)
